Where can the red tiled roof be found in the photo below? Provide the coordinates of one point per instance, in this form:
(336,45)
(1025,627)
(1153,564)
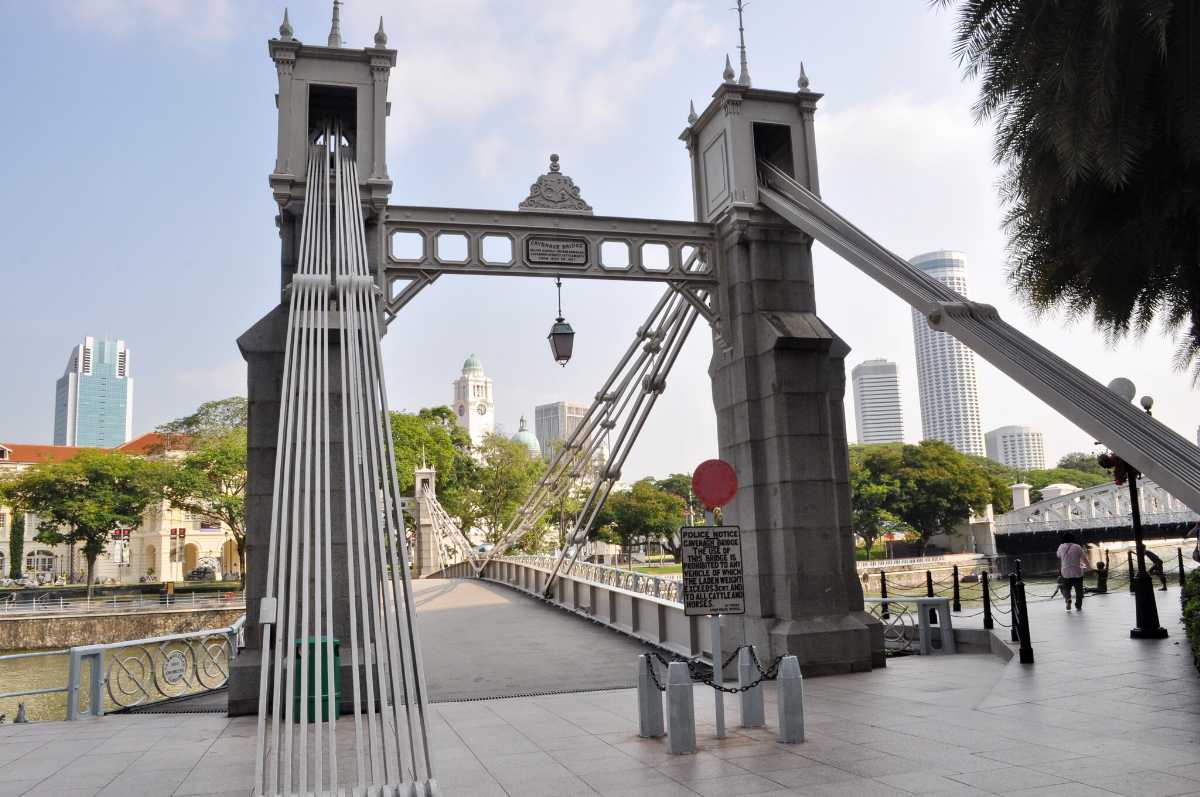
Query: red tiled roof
(26,452)
(155,443)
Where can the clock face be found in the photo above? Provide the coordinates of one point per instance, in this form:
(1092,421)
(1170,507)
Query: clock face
(481,409)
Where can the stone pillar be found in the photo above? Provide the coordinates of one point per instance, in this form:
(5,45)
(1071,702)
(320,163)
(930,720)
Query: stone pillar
(778,376)
(425,554)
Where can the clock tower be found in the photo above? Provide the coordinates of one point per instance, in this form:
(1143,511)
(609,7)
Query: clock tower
(474,406)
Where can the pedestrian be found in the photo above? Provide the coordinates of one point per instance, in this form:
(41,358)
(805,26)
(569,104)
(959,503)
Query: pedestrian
(1072,562)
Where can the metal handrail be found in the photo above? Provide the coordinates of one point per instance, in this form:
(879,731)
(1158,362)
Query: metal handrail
(203,655)
(665,587)
(140,602)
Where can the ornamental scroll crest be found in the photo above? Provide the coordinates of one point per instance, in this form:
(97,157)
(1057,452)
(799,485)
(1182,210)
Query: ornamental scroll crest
(555,191)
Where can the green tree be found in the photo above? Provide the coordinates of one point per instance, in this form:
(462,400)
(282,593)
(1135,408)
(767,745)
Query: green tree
(1097,112)
(432,436)
(211,480)
(939,488)
(210,418)
(643,513)
(504,478)
(16,544)
(874,491)
(1082,461)
(81,501)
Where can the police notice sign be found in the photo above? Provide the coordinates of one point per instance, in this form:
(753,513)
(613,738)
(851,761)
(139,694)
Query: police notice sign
(712,570)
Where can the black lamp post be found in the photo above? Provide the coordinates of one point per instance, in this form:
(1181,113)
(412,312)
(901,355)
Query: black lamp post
(561,337)
(1148,626)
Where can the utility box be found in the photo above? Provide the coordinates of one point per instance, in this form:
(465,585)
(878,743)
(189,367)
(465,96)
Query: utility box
(317,652)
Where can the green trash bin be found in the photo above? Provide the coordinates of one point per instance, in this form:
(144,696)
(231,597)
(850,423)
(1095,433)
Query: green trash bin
(317,652)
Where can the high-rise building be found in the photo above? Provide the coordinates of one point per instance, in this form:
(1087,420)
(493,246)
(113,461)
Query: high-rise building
(474,404)
(877,413)
(1017,447)
(93,401)
(945,367)
(553,424)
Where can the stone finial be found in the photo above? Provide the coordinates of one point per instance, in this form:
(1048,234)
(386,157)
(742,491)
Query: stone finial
(335,30)
(728,73)
(692,112)
(286,32)
(803,81)
(380,36)
(553,162)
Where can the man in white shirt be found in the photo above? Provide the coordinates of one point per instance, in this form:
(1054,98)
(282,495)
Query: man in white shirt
(1072,562)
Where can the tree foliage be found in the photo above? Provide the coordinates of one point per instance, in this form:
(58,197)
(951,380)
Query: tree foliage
(503,479)
(644,513)
(930,487)
(211,480)
(1097,111)
(432,436)
(16,544)
(1084,462)
(212,418)
(82,500)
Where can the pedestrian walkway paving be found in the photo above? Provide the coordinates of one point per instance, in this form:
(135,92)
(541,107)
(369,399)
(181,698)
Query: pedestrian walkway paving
(1098,714)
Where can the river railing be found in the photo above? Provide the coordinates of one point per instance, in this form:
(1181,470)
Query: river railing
(140,672)
(48,604)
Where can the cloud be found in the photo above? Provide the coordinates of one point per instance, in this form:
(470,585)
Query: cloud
(194,20)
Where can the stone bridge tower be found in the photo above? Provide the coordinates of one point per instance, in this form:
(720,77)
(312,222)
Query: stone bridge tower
(778,381)
(316,83)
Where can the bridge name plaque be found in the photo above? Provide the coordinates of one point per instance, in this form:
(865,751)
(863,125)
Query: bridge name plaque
(712,570)
(541,250)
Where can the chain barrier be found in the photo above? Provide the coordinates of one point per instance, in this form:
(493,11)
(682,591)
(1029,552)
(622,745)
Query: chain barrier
(697,669)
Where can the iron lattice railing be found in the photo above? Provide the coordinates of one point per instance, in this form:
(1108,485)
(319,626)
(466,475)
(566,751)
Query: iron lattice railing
(664,587)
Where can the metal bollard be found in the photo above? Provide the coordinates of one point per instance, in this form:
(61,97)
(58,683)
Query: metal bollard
(956,603)
(883,593)
(753,713)
(681,710)
(988,622)
(21,718)
(1182,576)
(929,594)
(1026,649)
(790,694)
(1129,562)
(1014,617)
(650,709)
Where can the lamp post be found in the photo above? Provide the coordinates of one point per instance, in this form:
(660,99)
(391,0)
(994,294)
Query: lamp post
(561,337)
(1148,626)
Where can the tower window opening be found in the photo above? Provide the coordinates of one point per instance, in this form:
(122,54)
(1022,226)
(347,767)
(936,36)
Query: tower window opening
(773,144)
(333,104)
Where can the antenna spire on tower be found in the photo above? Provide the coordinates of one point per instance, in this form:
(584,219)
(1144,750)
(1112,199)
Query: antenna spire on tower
(744,77)
(335,30)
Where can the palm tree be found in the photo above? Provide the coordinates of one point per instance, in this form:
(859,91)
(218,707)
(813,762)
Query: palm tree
(1098,127)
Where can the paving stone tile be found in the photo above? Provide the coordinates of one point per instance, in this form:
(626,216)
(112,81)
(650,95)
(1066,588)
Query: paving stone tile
(13,788)
(1062,790)
(606,782)
(1009,779)
(814,775)
(1148,784)
(858,787)
(930,783)
(745,783)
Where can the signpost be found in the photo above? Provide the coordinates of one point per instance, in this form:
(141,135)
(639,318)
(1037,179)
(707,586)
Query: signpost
(712,564)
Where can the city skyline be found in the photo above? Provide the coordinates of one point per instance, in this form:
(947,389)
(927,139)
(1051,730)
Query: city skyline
(477,136)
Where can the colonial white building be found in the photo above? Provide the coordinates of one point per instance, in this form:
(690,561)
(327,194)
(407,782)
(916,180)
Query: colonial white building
(167,545)
(474,404)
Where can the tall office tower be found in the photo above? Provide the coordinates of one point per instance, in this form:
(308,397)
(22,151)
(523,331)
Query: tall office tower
(93,400)
(474,405)
(553,424)
(877,402)
(1017,447)
(945,367)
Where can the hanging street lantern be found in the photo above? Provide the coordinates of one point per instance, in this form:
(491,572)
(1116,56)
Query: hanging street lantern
(561,337)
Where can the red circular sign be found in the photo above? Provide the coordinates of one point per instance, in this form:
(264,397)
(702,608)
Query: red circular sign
(714,483)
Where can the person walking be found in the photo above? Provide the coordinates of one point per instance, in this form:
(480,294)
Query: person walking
(1072,562)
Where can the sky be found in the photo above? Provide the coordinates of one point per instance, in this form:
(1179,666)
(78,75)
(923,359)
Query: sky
(136,205)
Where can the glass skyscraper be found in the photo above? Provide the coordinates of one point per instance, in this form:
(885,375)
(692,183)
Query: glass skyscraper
(93,402)
(946,367)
